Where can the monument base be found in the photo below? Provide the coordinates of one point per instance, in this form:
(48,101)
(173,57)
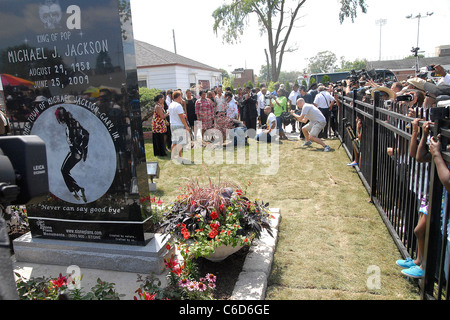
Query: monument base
(115,257)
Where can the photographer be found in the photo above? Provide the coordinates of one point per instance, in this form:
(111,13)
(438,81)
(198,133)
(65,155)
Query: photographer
(293,96)
(317,123)
(442,88)
(279,105)
(325,102)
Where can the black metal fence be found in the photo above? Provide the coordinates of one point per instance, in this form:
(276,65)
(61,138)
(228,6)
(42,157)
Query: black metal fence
(397,183)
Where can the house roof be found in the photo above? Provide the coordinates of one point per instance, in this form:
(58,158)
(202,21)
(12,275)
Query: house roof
(404,64)
(148,55)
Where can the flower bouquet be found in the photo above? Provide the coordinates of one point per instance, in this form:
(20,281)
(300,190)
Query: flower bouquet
(204,218)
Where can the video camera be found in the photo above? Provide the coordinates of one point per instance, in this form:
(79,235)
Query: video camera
(438,113)
(23,170)
(267,99)
(23,180)
(405,97)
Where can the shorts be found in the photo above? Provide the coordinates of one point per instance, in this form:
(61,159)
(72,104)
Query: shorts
(315,128)
(179,135)
(424,206)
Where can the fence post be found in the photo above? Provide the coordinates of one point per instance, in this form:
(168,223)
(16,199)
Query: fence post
(374,160)
(355,94)
(433,231)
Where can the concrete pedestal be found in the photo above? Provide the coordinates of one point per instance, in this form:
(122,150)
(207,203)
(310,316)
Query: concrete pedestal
(115,257)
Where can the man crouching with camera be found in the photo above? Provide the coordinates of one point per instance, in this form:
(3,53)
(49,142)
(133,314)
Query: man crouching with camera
(317,123)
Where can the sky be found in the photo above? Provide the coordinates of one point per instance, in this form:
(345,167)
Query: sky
(317,30)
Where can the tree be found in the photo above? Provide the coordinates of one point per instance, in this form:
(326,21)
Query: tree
(147,102)
(225,74)
(276,18)
(355,65)
(323,62)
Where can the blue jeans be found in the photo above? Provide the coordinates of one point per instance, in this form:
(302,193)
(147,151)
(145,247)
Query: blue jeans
(280,124)
(264,137)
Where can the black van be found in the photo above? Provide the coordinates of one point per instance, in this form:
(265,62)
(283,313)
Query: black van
(378,75)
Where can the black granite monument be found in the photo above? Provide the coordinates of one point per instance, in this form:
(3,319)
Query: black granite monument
(69,76)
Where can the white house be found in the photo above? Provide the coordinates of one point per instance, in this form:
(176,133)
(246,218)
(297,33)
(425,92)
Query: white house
(162,69)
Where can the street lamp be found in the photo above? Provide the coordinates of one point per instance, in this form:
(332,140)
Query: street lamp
(380,23)
(416,50)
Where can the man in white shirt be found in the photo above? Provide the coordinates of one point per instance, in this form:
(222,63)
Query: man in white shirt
(293,96)
(220,100)
(232,109)
(178,127)
(261,105)
(317,123)
(268,134)
(325,102)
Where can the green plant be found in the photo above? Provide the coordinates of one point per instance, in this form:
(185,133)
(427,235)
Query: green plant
(147,103)
(183,284)
(205,217)
(63,288)
(150,206)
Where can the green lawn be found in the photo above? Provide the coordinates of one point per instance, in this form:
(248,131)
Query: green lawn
(332,241)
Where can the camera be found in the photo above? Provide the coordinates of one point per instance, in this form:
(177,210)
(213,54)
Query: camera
(438,113)
(267,99)
(23,170)
(405,97)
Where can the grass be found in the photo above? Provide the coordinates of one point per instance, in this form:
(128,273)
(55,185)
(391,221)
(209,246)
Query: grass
(330,236)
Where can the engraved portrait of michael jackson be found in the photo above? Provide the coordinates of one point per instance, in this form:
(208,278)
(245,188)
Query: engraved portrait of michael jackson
(81,153)
(78,140)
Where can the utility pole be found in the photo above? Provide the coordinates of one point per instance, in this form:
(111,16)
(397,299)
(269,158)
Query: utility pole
(381,23)
(416,49)
(174,41)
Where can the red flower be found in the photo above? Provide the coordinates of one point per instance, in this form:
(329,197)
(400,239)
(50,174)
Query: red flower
(159,202)
(213,233)
(239,192)
(152,200)
(214,215)
(221,207)
(146,296)
(170,263)
(215,225)
(61,281)
(168,247)
(177,270)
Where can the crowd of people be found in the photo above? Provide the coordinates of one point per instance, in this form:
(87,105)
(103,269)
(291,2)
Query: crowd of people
(307,110)
(417,98)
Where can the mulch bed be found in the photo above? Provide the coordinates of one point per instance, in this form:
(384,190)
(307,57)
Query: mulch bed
(226,272)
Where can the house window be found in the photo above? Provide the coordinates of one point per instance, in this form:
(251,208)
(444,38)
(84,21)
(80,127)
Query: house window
(204,84)
(142,83)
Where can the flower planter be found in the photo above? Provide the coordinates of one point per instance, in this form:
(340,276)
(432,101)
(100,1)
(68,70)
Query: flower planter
(223,252)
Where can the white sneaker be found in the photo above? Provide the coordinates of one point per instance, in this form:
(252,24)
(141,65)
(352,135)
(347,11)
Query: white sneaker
(326,149)
(307,143)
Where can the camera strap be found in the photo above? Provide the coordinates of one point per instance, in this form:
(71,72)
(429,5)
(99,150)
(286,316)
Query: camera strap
(326,100)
